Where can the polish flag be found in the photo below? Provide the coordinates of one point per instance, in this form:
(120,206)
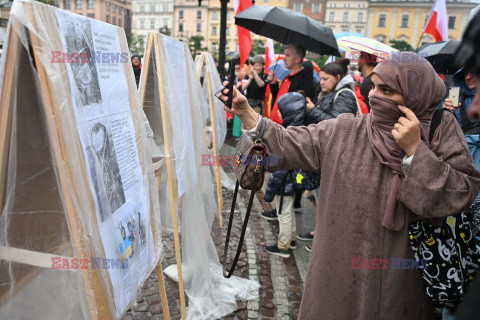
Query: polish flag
(269,57)
(244,38)
(437,24)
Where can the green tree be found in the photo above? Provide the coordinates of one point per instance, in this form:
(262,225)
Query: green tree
(401,45)
(258,47)
(195,45)
(50,2)
(320,61)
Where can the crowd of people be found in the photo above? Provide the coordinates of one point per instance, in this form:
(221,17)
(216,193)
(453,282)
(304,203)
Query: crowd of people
(368,136)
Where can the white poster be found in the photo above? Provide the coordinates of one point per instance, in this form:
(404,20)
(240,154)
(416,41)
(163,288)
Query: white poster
(102,110)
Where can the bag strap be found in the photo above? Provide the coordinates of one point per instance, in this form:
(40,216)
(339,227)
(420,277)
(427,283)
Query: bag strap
(436,120)
(261,131)
(242,235)
(359,110)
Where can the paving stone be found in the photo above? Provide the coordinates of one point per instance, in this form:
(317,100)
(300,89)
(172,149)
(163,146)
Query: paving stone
(252,314)
(141,307)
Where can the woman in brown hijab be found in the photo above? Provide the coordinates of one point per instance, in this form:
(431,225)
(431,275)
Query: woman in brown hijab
(379,173)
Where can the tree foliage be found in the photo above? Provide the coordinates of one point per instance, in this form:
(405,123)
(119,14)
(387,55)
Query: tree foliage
(195,45)
(401,45)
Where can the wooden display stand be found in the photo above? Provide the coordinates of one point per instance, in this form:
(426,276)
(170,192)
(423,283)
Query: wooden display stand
(158,115)
(205,61)
(47,114)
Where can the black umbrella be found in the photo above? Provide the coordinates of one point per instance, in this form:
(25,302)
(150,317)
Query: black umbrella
(288,26)
(441,55)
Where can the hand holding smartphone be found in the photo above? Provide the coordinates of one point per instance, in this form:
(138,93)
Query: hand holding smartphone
(453,94)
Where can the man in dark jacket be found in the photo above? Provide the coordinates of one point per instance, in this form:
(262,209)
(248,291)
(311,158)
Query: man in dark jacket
(283,182)
(366,63)
(136,61)
(297,80)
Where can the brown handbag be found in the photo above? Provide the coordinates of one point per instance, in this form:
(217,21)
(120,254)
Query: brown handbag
(251,163)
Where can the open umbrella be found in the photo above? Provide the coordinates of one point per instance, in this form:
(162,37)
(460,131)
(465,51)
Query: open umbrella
(280,70)
(441,55)
(365,44)
(288,26)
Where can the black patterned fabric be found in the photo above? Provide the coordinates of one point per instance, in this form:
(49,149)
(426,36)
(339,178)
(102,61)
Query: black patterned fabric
(447,256)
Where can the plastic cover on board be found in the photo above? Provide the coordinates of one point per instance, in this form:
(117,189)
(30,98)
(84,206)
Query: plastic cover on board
(210,295)
(79,221)
(216,86)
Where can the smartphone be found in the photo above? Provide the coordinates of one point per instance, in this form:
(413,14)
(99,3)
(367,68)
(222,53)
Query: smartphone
(231,80)
(453,95)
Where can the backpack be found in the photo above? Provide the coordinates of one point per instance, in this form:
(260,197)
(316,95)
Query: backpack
(447,256)
(360,108)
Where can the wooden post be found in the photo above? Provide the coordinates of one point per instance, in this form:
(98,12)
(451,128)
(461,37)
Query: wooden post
(214,141)
(172,186)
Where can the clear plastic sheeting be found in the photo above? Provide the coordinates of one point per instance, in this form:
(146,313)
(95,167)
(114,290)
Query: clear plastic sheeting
(79,222)
(174,105)
(204,69)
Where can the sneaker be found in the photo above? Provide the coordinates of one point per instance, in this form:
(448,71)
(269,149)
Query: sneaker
(293,244)
(308,247)
(275,251)
(305,237)
(270,215)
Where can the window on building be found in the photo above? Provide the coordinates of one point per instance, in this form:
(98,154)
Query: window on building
(358,30)
(227,31)
(120,22)
(152,8)
(165,23)
(451,22)
(141,42)
(91,15)
(199,27)
(164,8)
(90,4)
(382,20)
(316,8)
(228,15)
(226,47)
(114,20)
(56,3)
(67,4)
(180,27)
(107,6)
(141,8)
(141,24)
(180,14)
(345,17)
(152,24)
(404,23)
(79,4)
(298,7)
(214,47)
(199,14)
(331,18)
(114,8)
(344,29)
(360,17)
(214,15)
(107,18)
(214,31)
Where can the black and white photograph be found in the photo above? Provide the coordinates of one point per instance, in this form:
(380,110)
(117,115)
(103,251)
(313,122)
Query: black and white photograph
(80,41)
(105,171)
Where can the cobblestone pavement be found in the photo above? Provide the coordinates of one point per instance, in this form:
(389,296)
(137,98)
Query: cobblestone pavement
(280,279)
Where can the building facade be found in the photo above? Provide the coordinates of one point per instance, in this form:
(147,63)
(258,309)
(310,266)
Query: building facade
(213,31)
(190,20)
(347,16)
(405,20)
(314,9)
(116,12)
(150,16)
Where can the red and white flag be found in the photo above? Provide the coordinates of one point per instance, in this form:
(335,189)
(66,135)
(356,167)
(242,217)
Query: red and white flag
(437,24)
(269,57)
(244,38)
(269,54)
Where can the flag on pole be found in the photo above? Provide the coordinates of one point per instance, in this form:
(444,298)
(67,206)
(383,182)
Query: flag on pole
(269,57)
(437,24)
(244,38)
